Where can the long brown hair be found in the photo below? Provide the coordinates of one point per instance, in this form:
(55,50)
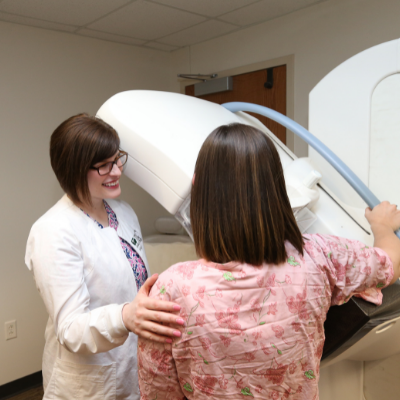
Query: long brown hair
(240,210)
(76,145)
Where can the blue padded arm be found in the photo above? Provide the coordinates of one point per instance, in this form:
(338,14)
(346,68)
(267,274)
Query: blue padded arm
(315,143)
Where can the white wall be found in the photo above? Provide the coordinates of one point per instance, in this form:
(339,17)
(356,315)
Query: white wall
(45,77)
(320,38)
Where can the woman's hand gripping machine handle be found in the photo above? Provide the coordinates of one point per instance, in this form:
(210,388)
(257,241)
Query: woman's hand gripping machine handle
(315,143)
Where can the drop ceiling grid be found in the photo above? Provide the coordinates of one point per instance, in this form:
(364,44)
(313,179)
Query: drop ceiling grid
(207,8)
(145,20)
(199,33)
(159,24)
(72,12)
(265,10)
(18,19)
(110,37)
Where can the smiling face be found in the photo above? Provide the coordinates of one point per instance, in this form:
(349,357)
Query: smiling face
(106,186)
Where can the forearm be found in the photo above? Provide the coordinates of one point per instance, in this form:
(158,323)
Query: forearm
(96,331)
(385,239)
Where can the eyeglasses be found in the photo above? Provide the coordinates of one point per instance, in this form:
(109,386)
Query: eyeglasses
(119,161)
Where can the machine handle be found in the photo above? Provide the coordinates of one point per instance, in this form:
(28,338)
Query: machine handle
(385,327)
(356,183)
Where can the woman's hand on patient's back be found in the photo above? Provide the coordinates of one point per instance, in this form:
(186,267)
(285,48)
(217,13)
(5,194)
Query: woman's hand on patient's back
(145,316)
(384,220)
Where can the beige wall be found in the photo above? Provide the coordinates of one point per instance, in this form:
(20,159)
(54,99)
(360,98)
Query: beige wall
(320,38)
(46,77)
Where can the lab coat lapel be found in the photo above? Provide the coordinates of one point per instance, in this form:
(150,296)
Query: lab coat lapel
(131,233)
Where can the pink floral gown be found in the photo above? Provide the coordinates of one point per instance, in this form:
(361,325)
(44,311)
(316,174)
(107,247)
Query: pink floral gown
(257,332)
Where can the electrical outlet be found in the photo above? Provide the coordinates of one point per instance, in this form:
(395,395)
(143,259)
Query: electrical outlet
(11,329)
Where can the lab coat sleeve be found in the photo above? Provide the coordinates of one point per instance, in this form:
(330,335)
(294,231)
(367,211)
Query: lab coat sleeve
(54,255)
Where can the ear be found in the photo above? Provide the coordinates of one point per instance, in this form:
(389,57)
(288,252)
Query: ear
(194,175)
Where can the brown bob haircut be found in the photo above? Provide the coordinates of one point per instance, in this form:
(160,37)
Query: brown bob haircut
(240,210)
(76,145)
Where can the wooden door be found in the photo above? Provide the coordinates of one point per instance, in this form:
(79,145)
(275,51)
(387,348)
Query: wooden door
(250,88)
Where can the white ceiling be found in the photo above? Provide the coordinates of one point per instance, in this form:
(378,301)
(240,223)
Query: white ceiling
(160,24)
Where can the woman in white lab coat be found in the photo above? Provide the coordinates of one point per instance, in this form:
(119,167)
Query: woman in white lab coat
(88,260)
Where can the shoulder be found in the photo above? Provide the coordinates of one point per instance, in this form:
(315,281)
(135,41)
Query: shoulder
(56,229)
(173,280)
(320,242)
(333,243)
(61,224)
(62,214)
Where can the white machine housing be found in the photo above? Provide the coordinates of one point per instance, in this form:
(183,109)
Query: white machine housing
(340,116)
(163,133)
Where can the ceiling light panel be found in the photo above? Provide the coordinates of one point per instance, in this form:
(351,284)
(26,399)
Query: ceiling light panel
(210,8)
(266,10)
(199,33)
(144,20)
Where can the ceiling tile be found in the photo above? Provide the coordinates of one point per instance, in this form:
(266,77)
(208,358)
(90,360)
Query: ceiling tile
(109,36)
(72,12)
(36,22)
(265,10)
(210,8)
(161,46)
(199,33)
(146,20)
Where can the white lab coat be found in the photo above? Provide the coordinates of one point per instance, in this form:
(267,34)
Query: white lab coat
(85,279)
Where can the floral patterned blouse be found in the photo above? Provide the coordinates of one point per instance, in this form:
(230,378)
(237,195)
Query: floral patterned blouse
(137,264)
(257,331)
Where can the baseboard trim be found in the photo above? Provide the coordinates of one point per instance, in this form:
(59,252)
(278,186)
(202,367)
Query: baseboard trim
(21,385)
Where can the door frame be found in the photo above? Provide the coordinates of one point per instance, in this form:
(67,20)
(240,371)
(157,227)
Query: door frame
(285,60)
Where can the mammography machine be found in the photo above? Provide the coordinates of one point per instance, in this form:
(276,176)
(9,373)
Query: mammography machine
(350,113)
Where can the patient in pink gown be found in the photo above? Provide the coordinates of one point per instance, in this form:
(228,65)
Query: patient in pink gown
(255,302)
